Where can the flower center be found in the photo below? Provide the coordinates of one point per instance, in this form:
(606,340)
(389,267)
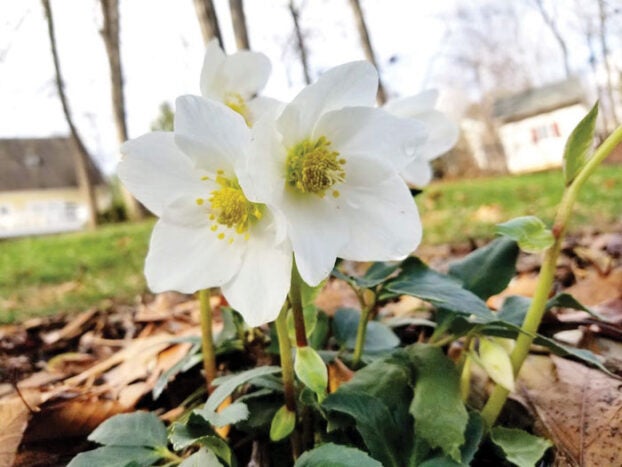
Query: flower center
(230,208)
(237,103)
(313,168)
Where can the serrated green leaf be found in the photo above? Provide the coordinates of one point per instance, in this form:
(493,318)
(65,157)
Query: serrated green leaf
(440,416)
(133,429)
(188,361)
(116,456)
(229,415)
(336,456)
(487,270)
(418,280)
(228,384)
(186,434)
(201,458)
(311,370)
(519,447)
(283,424)
(579,146)
(376,274)
(565,350)
(529,231)
(379,337)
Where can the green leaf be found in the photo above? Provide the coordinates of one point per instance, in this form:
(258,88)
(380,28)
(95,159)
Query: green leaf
(336,456)
(565,350)
(488,270)
(229,329)
(565,300)
(440,416)
(418,280)
(317,338)
(229,415)
(373,421)
(514,309)
(116,456)
(132,429)
(520,447)
(579,145)
(283,424)
(474,434)
(188,361)
(495,361)
(375,275)
(311,370)
(529,231)
(186,434)
(201,458)
(228,384)
(378,338)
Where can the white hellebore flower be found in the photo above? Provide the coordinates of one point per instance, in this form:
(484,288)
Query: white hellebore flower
(209,233)
(442,133)
(330,163)
(236,79)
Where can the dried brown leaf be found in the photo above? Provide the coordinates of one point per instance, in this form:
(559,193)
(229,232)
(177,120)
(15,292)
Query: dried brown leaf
(14,416)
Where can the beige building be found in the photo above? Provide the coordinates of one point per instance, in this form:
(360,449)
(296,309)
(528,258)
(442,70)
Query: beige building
(39,192)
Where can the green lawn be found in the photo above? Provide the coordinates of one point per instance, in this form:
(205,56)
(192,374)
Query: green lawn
(71,272)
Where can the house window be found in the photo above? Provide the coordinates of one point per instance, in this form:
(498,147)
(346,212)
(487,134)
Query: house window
(542,132)
(5,210)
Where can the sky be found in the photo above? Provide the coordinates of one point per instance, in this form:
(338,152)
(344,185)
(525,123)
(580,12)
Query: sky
(162,53)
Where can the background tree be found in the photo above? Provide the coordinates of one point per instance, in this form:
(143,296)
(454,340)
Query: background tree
(361,25)
(301,47)
(82,160)
(110,34)
(238,19)
(208,21)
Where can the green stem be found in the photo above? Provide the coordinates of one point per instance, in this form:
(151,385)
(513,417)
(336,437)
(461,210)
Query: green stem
(366,307)
(465,373)
(168,455)
(537,308)
(295,299)
(287,371)
(207,339)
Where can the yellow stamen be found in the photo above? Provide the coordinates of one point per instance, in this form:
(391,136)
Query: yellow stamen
(230,207)
(200,201)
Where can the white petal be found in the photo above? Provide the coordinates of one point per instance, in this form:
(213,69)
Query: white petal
(412,106)
(348,85)
(211,134)
(372,133)
(245,73)
(187,259)
(317,230)
(442,134)
(155,171)
(264,107)
(211,85)
(185,211)
(260,287)
(418,173)
(384,223)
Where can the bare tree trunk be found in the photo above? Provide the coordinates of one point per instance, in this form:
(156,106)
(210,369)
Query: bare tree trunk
(81,158)
(206,14)
(110,34)
(238,18)
(302,48)
(552,25)
(602,16)
(366,44)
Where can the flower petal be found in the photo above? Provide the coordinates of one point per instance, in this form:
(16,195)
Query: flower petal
(366,132)
(211,134)
(260,287)
(384,223)
(418,173)
(317,231)
(412,106)
(155,171)
(443,134)
(245,73)
(211,83)
(186,259)
(348,85)
(264,107)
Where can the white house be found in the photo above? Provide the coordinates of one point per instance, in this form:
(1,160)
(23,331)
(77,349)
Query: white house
(534,125)
(39,192)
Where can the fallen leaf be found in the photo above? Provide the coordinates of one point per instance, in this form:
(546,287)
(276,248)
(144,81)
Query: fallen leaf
(338,373)
(578,407)
(595,288)
(14,416)
(72,329)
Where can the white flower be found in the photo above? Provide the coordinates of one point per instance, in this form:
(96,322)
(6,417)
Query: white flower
(442,133)
(209,233)
(330,163)
(235,80)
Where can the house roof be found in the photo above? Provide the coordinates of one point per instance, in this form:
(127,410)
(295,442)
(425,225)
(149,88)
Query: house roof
(40,163)
(539,100)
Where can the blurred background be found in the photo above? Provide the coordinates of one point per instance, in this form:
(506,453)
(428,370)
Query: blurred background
(77,78)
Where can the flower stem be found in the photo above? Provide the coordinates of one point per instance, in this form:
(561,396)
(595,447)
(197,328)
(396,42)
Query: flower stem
(536,310)
(207,339)
(367,305)
(295,299)
(287,371)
